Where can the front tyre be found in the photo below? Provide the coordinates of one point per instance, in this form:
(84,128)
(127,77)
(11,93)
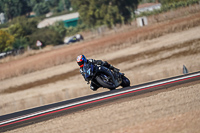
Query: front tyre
(104,82)
(125,82)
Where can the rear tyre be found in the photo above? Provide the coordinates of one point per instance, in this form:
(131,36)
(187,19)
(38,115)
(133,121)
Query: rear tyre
(104,83)
(125,81)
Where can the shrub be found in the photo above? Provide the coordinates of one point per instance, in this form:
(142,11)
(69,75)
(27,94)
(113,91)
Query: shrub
(46,36)
(6,41)
(16,30)
(20,42)
(23,28)
(173,5)
(5,25)
(59,28)
(73,30)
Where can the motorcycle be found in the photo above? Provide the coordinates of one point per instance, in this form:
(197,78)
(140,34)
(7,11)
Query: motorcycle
(101,76)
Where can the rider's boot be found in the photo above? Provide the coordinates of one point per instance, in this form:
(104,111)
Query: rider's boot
(93,88)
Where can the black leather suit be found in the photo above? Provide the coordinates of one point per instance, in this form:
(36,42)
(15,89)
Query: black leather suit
(98,62)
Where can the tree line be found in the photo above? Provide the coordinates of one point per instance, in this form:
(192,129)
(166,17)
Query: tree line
(105,12)
(92,12)
(14,8)
(22,31)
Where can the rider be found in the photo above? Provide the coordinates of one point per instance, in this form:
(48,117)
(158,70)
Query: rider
(81,59)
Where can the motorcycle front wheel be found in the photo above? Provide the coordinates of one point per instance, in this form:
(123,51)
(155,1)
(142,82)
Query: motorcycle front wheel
(125,82)
(104,82)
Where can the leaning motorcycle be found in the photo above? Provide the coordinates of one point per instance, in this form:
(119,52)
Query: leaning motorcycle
(101,76)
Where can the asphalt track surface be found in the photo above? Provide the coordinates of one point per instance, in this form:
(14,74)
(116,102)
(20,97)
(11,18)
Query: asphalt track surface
(27,117)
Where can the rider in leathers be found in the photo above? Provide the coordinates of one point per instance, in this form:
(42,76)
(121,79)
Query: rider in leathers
(81,59)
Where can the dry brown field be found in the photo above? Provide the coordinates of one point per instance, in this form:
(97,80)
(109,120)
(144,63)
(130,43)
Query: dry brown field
(100,45)
(174,111)
(153,52)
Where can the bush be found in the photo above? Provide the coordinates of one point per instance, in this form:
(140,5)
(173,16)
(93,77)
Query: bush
(166,7)
(6,41)
(20,42)
(175,5)
(5,25)
(46,36)
(74,30)
(59,28)
(16,30)
(23,28)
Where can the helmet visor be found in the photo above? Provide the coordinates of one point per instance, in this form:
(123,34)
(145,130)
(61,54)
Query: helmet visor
(80,63)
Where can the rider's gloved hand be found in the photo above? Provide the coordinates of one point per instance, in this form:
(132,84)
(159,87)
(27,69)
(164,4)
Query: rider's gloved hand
(116,70)
(111,67)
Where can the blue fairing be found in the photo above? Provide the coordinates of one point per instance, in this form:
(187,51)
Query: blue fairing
(88,70)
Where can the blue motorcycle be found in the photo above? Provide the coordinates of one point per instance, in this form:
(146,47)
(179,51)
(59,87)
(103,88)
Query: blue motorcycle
(101,76)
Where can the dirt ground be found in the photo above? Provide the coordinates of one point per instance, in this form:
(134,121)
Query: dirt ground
(171,111)
(154,59)
(174,111)
(142,62)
